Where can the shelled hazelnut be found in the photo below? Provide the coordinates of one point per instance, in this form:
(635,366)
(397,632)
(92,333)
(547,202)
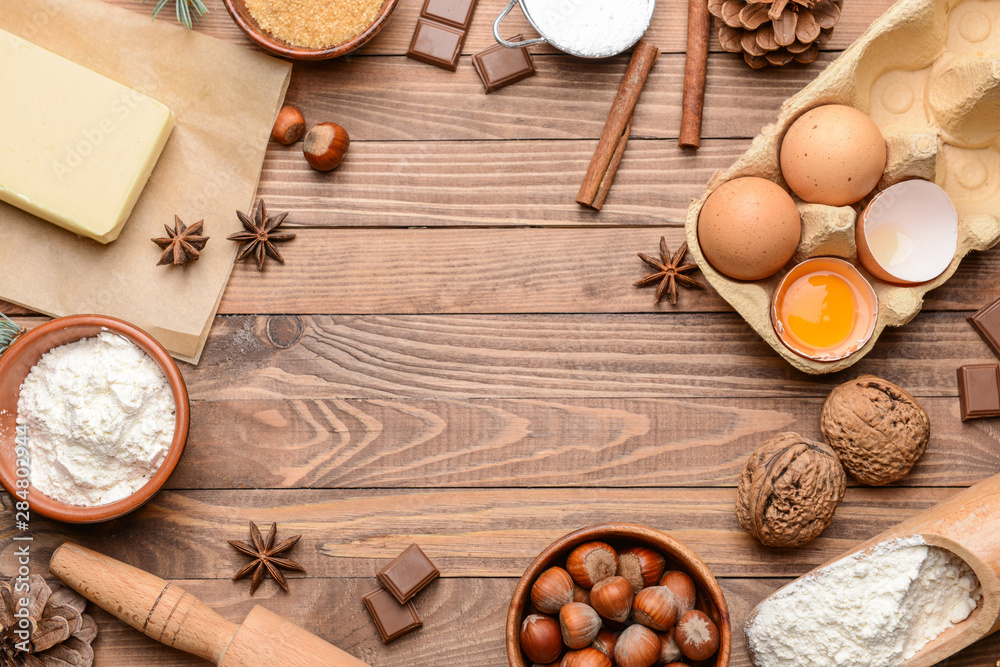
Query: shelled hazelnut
(617,608)
(591,562)
(325,146)
(696,635)
(289,126)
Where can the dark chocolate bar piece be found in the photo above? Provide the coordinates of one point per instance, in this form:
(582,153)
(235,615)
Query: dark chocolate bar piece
(408,574)
(392,619)
(499,66)
(979,391)
(986,322)
(436,44)
(456,13)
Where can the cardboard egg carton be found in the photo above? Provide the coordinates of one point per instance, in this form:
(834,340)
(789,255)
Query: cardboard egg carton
(928,74)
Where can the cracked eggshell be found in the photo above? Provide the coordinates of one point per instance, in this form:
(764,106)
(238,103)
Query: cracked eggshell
(908,234)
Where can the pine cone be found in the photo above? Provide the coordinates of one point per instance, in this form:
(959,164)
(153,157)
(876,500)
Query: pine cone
(775,32)
(59,633)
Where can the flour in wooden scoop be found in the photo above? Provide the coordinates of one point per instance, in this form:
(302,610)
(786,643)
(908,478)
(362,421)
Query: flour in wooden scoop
(876,608)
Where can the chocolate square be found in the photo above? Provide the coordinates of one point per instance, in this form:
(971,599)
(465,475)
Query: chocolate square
(392,619)
(408,574)
(499,66)
(986,322)
(456,13)
(436,44)
(979,391)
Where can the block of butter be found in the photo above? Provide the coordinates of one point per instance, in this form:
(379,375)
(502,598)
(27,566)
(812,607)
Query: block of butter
(76,148)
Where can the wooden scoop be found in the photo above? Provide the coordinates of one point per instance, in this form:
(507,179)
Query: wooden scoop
(967,526)
(170,615)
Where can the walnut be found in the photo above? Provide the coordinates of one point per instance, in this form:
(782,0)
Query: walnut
(878,430)
(789,490)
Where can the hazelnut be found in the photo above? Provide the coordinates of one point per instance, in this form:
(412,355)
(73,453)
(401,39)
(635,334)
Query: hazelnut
(591,562)
(669,651)
(325,146)
(605,642)
(552,590)
(638,646)
(579,625)
(697,636)
(642,566)
(289,126)
(612,598)
(580,594)
(877,429)
(682,586)
(789,490)
(540,638)
(655,607)
(587,657)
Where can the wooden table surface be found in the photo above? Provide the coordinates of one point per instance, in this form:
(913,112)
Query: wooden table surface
(454,355)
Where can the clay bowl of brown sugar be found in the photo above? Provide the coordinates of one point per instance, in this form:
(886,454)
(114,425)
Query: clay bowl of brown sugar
(243,17)
(16,363)
(621,536)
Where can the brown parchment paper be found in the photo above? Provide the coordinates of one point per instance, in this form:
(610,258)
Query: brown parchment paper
(225,98)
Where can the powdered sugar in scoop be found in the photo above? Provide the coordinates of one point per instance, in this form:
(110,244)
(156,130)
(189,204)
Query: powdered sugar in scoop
(590,28)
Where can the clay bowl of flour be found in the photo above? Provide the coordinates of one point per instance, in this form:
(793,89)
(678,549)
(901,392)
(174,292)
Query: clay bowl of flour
(16,364)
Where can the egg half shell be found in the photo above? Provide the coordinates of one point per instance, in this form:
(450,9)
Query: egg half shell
(749,228)
(833,155)
(908,234)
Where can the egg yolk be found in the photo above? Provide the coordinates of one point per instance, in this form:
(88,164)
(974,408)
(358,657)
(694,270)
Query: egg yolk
(820,310)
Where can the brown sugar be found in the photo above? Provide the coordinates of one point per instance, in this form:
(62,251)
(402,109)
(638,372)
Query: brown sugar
(315,23)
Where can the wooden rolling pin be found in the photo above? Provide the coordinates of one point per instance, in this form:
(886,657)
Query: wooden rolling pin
(172,616)
(965,525)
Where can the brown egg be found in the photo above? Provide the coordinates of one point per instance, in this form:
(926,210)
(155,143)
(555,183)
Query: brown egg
(833,155)
(749,228)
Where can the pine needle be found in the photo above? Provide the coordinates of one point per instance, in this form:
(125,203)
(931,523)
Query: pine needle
(8,332)
(184,10)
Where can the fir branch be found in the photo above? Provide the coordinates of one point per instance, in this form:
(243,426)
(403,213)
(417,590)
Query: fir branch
(184,13)
(8,332)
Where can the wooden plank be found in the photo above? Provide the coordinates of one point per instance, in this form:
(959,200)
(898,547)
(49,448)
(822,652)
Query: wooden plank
(502,183)
(463,623)
(527,443)
(569,98)
(668,30)
(500,271)
(550,356)
(468,533)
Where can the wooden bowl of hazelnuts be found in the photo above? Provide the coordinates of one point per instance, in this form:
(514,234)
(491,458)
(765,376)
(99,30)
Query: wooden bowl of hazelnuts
(618,595)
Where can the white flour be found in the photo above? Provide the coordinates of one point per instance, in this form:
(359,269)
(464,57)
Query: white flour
(876,610)
(591,28)
(100,418)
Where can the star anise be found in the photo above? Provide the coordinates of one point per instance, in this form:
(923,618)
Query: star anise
(260,235)
(669,272)
(182,243)
(265,557)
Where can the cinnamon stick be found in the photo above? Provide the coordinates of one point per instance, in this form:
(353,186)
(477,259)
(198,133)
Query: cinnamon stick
(695,69)
(610,148)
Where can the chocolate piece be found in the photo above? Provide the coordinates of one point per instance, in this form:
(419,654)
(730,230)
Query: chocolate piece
(986,322)
(436,44)
(456,13)
(499,66)
(979,391)
(392,619)
(408,574)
